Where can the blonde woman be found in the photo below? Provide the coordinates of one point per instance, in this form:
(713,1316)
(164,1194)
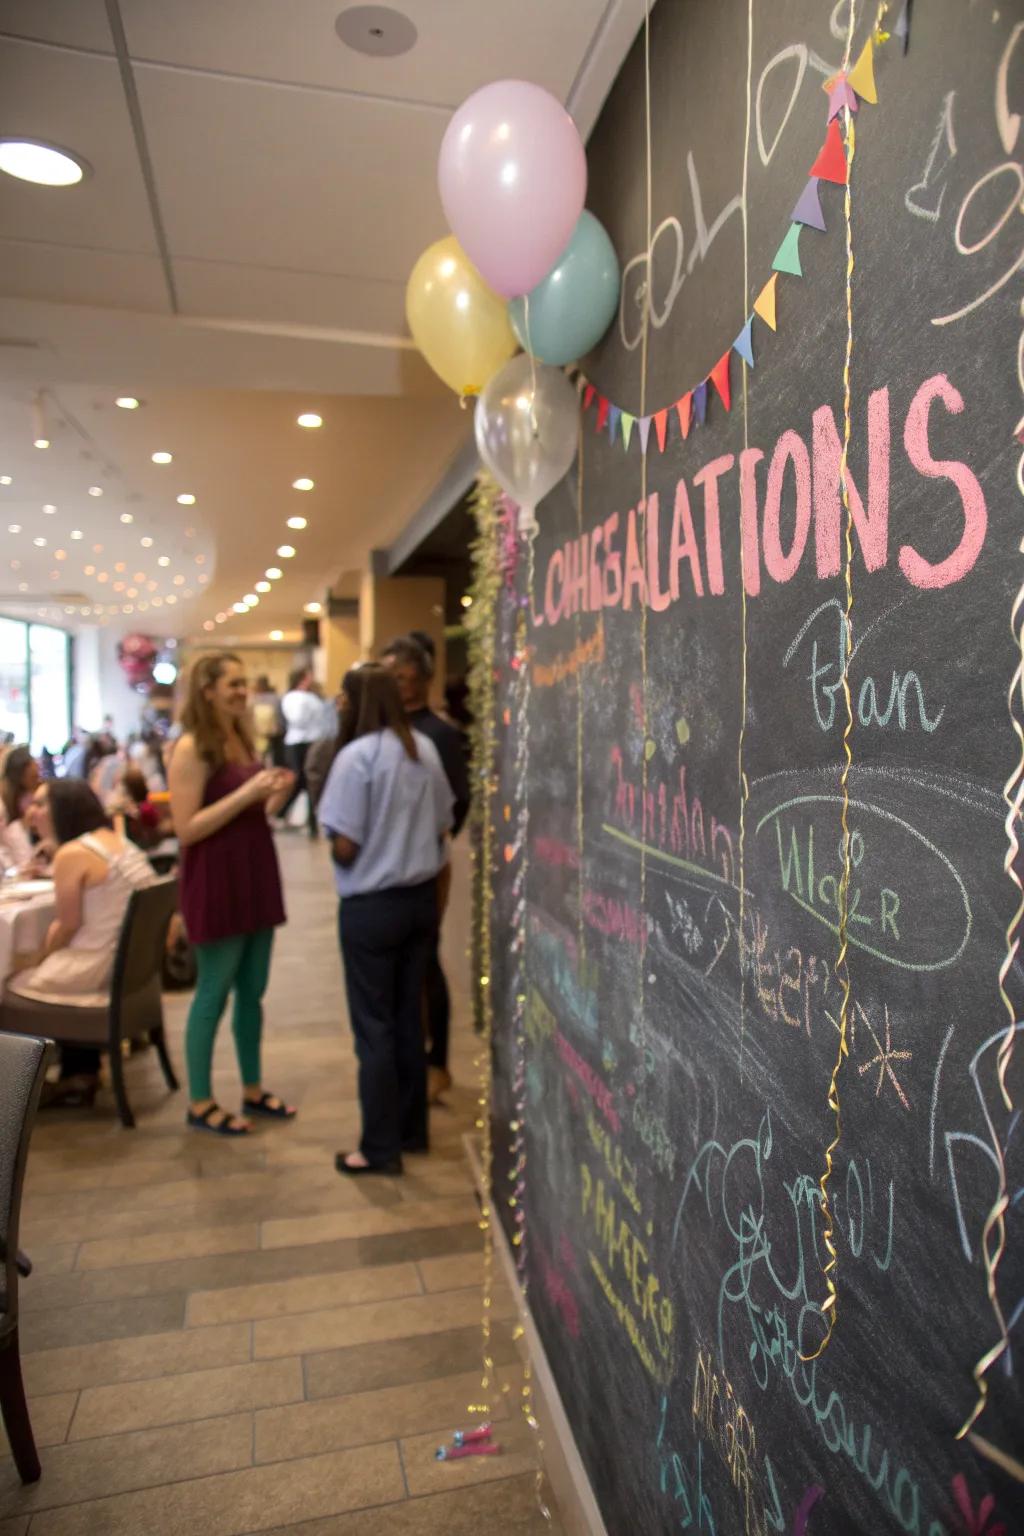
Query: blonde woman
(221,797)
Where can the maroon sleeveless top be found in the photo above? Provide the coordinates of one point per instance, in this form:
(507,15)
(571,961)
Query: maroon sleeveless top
(230,881)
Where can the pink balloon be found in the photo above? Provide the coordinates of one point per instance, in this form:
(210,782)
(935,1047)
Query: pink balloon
(513,178)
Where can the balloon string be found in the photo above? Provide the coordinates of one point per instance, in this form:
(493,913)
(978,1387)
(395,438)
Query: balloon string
(644,683)
(842,968)
(533,368)
(581,936)
(741,776)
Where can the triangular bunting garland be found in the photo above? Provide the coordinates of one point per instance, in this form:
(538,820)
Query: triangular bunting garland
(744,345)
(831,162)
(808,206)
(643,426)
(661,427)
(588,397)
(787,257)
(580,383)
(862,76)
(764,304)
(720,378)
(839,96)
(700,401)
(602,412)
(684,406)
(627,428)
(902,27)
(614,412)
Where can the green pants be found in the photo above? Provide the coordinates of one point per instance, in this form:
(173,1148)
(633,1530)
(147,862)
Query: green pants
(241,965)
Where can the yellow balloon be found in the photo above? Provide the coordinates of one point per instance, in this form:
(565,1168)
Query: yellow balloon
(458,323)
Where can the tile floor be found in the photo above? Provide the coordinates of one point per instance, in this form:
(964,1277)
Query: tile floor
(226,1336)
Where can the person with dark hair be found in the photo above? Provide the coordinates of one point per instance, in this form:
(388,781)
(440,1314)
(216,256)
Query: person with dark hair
(94,874)
(19,779)
(221,799)
(303,710)
(413,668)
(268,722)
(386,808)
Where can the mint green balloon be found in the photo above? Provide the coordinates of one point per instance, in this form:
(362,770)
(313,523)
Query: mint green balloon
(570,310)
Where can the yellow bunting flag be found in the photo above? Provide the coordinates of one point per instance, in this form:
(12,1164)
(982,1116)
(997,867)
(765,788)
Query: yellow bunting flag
(862,76)
(626,422)
(764,304)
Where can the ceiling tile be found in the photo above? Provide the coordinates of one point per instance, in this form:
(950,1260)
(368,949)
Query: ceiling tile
(462,43)
(71,23)
(301,298)
(73,275)
(277,176)
(74,100)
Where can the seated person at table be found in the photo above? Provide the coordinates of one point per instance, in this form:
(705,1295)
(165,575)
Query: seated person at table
(145,823)
(19,780)
(94,872)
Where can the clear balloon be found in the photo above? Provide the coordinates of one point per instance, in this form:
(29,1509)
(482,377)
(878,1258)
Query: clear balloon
(513,177)
(526,433)
(569,312)
(459,325)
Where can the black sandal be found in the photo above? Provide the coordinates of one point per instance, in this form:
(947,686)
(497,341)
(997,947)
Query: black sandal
(262,1106)
(201,1122)
(392,1167)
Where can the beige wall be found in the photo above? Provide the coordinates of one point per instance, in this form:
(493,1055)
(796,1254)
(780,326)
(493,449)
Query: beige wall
(392,605)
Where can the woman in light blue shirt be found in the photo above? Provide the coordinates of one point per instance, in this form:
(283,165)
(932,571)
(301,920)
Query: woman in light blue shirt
(386,808)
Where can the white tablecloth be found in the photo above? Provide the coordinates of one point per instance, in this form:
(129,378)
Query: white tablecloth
(23,926)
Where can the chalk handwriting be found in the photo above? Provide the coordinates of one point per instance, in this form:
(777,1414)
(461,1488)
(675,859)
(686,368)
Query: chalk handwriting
(905,705)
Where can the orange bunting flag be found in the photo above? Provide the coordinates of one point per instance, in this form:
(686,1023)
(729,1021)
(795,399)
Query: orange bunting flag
(720,378)
(661,427)
(764,304)
(862,76)
(602,412)
(684,408)
(831,162)
(588,397)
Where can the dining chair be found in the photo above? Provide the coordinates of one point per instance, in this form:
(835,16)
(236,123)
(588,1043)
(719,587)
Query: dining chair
(23,1062)
(135,1009)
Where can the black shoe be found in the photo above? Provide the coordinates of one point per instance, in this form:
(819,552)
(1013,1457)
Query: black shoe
(392,1166)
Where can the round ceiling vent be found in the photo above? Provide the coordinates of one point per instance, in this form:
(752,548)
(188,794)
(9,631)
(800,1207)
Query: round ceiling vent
(376,30)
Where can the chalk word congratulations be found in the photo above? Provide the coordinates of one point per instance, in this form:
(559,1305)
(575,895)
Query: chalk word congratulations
(595,571)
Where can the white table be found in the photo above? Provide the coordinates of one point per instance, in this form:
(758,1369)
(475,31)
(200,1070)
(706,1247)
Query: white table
(24,919)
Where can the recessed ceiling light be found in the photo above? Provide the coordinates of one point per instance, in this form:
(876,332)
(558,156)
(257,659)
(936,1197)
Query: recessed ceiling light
(158,602)
(147,542)
(163,560)
(126,517)
(162,458)
(45,164)
(221,618)
(6,480)
(277,634)
(22,586)
(139,576)
(302,484)
(39,543)
(296,522)
(186,499)
(377,30)
(118,586)
(41,442)
(90,570)
(204,579)
(310,419)
(208,624)
(261,586)
(49,508)
(95,490)
(286,551)
(171,599)
(239,608)
(60,554)
(97,549)
(179,581)
(76,534)
(313,608)
(120,567)
(251,600)
(127,402)
(14,528)
(273,573)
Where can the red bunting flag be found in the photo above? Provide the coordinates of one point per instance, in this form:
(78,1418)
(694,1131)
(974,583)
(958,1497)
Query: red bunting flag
(831,162)
(602,412)
(661,427)
(684,408)
(588,397)
(720,378)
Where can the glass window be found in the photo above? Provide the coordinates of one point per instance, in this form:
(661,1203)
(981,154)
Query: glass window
(13,680)
(48,650)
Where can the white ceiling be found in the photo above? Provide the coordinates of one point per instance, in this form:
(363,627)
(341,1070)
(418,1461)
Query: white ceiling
(258,194)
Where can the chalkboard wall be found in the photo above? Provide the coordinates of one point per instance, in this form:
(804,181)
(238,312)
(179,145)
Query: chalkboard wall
(680,959)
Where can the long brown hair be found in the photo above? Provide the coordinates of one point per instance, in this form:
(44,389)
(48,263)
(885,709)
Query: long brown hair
(371,703)
(199,716)
(12,771)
